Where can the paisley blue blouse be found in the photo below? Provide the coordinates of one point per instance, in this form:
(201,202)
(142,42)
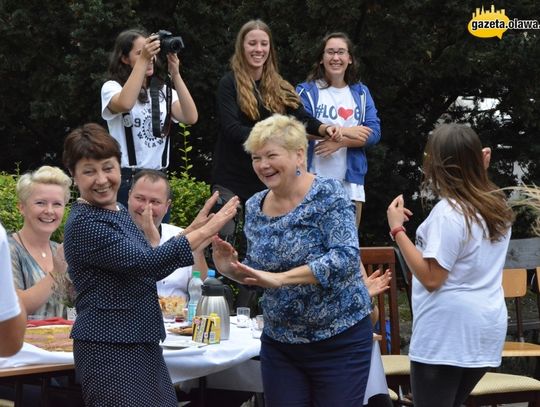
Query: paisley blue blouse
(321,233)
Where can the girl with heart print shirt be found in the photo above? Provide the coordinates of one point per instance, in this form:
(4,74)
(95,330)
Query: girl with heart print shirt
(333,95)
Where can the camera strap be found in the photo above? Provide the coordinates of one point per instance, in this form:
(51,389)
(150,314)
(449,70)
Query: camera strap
(128,124)
(157,131)
(156,122)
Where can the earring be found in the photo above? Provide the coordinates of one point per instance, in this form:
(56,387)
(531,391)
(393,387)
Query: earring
(298,172)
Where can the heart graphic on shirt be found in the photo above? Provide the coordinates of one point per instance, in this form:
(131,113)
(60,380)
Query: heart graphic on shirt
(345,113)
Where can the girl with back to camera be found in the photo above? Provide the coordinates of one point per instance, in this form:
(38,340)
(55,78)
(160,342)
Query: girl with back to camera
(126,104)
(460,316)
(251,92)
(333,95)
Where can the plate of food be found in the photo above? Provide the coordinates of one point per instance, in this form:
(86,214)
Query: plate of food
(181,343)
(181,330)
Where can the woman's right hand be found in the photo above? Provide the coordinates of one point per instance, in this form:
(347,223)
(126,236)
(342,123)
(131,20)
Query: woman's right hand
(396,213)
(151,48)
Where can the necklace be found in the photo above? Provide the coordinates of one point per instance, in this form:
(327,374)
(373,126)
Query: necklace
(84,201)
(43,254)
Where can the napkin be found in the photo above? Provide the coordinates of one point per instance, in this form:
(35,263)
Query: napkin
(48,321)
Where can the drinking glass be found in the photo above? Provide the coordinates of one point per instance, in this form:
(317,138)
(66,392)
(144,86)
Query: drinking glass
(242,317)
(257,326)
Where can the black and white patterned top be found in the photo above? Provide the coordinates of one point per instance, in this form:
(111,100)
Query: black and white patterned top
(114,271)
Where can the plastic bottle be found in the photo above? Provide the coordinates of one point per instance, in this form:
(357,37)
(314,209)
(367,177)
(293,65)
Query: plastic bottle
(211,274)
(195,292)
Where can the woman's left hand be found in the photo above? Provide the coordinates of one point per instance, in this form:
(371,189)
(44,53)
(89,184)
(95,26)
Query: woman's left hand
(251,276)
(173,64)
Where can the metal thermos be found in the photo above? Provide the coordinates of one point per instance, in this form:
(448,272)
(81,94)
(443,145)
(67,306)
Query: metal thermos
(213,300)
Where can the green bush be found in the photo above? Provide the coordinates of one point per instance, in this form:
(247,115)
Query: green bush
(9,213)
(188,197)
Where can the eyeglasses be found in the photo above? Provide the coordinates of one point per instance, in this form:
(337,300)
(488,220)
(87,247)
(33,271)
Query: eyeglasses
(331,52)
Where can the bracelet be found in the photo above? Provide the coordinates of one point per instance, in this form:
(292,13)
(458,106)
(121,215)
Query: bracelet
(395,231)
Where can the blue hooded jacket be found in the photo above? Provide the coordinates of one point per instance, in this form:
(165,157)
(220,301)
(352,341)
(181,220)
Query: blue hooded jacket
(356,156)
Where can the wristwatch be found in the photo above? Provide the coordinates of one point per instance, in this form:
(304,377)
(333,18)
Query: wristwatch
(395,231)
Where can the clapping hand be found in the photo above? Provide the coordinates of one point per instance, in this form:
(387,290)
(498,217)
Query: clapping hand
(396,213)
(377,283)
(59,261)
(206,224)
(250,276)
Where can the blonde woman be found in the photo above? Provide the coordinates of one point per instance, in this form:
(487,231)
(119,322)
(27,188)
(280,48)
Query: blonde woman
(303,250)
(43,195)
(252,91)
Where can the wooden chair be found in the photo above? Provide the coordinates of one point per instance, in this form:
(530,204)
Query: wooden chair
(382,258)
(515,287)
(496,388)
(396,366)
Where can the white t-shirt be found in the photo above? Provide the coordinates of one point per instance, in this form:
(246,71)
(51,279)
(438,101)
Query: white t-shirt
(9,302)
(176,283)
(336,106)
(148,149)
(464,322)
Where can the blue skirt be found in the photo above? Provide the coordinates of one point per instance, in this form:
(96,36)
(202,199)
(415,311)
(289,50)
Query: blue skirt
(123,374)
(331,372)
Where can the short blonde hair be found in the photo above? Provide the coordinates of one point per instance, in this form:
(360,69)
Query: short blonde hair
(283,130)
(43,175)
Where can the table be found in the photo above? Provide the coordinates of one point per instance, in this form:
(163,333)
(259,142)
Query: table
(233,358)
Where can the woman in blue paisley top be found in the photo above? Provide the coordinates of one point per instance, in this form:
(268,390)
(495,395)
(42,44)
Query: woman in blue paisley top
(317,337)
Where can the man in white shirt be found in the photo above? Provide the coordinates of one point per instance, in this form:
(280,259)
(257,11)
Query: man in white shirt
(12,314)
(151,187)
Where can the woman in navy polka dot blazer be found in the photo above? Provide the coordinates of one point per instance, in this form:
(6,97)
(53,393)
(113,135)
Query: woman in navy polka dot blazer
(114,270)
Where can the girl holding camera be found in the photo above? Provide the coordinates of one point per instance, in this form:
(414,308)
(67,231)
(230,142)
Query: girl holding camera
(126,104)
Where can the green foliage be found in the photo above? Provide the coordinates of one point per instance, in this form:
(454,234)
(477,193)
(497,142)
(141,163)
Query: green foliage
(10,217)
(189,196)
(415,56)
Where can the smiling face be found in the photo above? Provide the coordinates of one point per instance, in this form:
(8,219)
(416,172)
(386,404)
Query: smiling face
(98,181)
(144,192)
(335,64)
(256,51)
(276,166)
(44,208)
(134,54)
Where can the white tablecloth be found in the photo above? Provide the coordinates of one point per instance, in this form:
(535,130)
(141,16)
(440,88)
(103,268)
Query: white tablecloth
(227,364)
(184,364)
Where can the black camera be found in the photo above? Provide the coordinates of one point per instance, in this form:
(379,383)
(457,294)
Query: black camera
(170,44)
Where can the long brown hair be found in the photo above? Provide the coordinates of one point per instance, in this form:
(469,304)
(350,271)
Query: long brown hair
(319,73)
(275,92)
(118,70)
(454,169)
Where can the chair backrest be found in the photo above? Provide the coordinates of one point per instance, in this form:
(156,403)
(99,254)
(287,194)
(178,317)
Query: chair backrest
(514,284)
(382,258)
